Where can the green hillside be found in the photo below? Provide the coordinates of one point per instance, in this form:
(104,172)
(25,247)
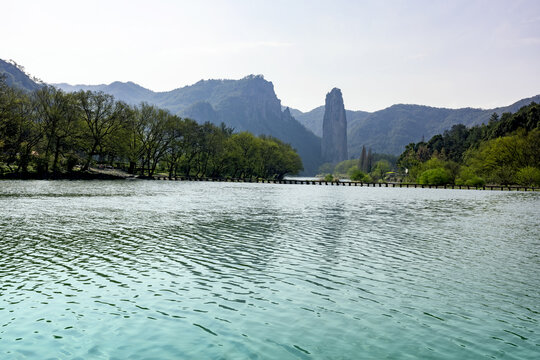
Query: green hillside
(390,130)
(506,150)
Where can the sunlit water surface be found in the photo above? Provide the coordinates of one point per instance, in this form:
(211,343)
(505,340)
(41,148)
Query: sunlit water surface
(178,270)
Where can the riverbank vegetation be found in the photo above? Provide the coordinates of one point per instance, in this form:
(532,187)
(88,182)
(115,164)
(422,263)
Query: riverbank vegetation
(52,134)
(505,151)
(370,167)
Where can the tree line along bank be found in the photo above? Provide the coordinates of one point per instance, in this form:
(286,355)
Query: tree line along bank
(506,151)
(50,133)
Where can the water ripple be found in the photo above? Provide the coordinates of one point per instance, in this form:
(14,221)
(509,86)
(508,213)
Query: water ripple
(215,270)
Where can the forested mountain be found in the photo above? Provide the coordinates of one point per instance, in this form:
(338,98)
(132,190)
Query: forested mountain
(249,104)
(391,129)
(15,76)
(236,102)
(49,133)
(506,150)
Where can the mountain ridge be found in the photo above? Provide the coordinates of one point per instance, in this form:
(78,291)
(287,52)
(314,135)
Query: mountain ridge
(389,130)
(17,77)
(250,103)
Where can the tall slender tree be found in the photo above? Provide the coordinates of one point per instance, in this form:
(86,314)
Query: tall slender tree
(369,161)
(363,159)
(99,112)
(59,115)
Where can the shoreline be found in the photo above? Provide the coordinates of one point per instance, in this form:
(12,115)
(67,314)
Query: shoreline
(106,176)
(114,174)
(92,174)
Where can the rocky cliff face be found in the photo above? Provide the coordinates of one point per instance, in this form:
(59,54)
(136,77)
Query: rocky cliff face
(334,140)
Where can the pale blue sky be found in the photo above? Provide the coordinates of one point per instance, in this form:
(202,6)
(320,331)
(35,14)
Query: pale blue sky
(437,53)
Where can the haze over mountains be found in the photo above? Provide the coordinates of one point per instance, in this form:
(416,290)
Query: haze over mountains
(251,104)
(15,76)
(391,129)
(385,131)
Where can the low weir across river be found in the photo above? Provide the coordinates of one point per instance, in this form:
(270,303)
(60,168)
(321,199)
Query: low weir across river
(353,183)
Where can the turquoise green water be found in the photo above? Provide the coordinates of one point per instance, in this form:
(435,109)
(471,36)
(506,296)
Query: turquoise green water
(174,270)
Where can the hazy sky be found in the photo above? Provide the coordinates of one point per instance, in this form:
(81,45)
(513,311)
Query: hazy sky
(381,52)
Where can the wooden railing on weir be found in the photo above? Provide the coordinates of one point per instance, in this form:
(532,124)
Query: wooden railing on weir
(353,183)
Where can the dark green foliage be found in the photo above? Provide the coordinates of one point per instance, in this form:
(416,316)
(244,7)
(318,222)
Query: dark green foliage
(356,174)
(49,132)
(438,176)
(505,151)
(328,177)
(527,118)
(468,177)
(453,143)
(342,168)
(528,176)
(391,129)
(499,160)
(362,163)
(353,168)
(249,104)
(380,169)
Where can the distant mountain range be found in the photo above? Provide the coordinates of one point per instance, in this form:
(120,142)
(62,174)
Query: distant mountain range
(384,131)
(391,129)
(251,104)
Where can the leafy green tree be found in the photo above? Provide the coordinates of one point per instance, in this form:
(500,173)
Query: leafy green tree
(328,177)
(355,174)
(342,168)
(493,119)
(369,161)
(20,129)
(52,129)
(408,159)
(451,167)
(438,176)
(154,136)
(498,160)
(59,117)
(211,146)
(219,153)
(246,154)
(286,160)
(100,115)
(117,146)
(467,176)
(175,150)
(125,142)
(362,165)
(529,176)
(380,169)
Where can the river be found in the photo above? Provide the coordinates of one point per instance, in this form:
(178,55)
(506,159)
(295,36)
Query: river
(203,270)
